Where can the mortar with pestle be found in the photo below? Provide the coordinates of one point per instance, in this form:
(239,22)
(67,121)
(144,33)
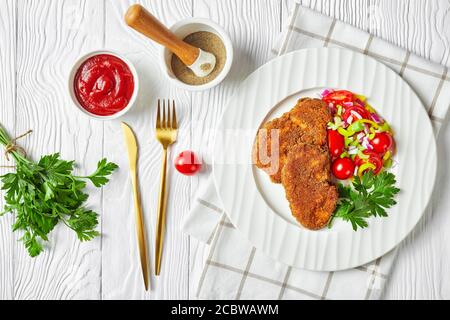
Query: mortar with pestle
(201,64)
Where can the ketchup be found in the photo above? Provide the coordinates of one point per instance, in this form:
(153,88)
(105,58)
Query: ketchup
(104,85)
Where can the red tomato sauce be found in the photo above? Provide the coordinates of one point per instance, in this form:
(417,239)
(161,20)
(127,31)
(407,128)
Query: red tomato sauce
(104,85)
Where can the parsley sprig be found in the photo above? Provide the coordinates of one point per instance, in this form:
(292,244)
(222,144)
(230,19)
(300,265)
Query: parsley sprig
(369,196)
(43,193)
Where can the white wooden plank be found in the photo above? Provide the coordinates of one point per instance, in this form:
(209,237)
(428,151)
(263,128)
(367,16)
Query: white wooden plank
(51,35)
(122,277)
(253,27)
(422,26)
(7,121)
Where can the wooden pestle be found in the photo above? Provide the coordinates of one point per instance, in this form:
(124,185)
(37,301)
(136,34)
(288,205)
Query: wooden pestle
(138,18)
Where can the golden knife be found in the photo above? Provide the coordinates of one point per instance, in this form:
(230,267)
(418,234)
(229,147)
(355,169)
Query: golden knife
(132,148)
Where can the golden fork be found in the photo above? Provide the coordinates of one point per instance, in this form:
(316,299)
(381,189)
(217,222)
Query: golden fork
(166,133)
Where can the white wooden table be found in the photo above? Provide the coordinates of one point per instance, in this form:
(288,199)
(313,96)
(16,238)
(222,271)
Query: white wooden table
(38,42)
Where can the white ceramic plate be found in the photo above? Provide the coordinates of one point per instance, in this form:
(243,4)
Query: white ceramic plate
(259,209)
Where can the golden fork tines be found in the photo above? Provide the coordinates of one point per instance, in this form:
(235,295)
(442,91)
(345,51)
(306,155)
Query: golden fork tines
(166,133)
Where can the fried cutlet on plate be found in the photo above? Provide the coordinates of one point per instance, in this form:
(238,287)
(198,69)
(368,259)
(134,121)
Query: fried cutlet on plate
(307,182)
(305,123)
(292,150)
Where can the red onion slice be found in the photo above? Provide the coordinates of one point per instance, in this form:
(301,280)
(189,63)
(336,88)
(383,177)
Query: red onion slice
(376,118)
(356,114)
(326,92)
(348,104)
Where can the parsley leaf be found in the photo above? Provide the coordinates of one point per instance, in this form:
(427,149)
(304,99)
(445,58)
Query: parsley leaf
(43,193)
(104,169)
(368,196)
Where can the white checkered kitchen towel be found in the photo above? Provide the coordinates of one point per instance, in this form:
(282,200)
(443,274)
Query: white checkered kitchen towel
(234,269)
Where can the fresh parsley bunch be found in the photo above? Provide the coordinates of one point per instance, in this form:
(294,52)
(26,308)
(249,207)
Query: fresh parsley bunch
(370,196)
(42,194)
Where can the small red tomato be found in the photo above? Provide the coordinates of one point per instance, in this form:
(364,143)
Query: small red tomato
(343,169)
(374,158)
(339,97)
(382,142)
(359,110)
(187,163)
(335,143)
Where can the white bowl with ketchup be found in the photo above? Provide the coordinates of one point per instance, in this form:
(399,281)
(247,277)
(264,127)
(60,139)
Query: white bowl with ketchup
(103,84)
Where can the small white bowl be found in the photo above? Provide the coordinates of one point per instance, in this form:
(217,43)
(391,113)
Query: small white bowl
(182,29)
(78,64)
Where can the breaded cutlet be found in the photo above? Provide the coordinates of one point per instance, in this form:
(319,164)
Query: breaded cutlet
(306,179)
(305,123)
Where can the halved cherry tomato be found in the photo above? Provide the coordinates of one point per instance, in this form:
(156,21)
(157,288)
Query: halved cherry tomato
(187,163)
(343,168)
(358,109)
(374,158)
(338,97)
(336,143)
(382,142)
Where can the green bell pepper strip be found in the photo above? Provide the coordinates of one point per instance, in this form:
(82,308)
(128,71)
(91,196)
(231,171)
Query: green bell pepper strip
(388,163)
(364,167)
(345,133)
(372,123)
(344,154)
(356,126)
(385,127)
(355,143)
(347,141)
(362,155)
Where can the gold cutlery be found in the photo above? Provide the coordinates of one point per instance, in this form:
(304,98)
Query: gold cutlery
(132,148)
(166,133)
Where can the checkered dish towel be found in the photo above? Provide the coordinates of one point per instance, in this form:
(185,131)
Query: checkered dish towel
(234,269)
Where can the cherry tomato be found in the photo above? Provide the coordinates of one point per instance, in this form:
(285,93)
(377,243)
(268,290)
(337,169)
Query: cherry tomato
(358,109)
(335,143)
(374,158)
(343,168)
(187,163)
(382,142)
(339,97)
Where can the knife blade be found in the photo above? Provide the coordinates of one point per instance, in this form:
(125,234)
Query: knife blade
(132,149)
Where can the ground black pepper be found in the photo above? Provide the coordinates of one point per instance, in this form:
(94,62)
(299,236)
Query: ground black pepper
(207,41)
